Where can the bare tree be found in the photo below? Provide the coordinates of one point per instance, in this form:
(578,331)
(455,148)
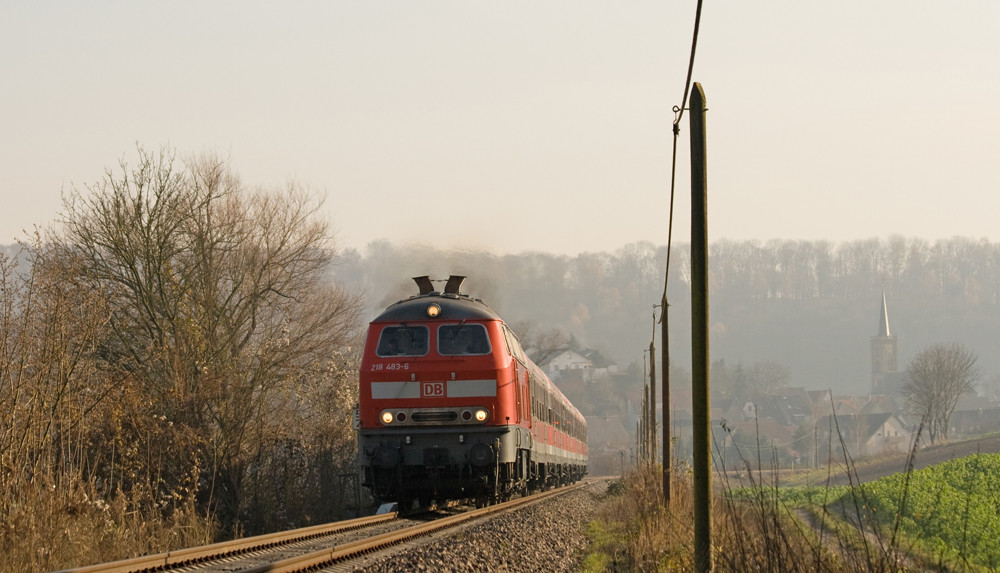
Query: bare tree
(49,325)
(936,378)
(221,299)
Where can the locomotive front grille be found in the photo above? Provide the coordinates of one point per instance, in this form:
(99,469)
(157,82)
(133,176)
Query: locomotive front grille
(435,416)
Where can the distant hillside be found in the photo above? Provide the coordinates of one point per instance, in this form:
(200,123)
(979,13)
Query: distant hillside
(809,305)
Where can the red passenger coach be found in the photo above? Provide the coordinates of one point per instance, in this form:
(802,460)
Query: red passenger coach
(451,407)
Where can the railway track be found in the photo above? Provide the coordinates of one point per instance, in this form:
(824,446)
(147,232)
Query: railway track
(310,548)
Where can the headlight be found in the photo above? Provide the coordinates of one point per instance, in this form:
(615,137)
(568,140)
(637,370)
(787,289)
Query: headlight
(481,415)
(386,418)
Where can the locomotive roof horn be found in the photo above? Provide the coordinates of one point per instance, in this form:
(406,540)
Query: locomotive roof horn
(426,286)
(424,283)
(454,283)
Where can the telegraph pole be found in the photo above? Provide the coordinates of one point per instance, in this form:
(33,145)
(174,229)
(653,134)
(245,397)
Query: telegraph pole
(638,446)
(645,410)
(644,426)
(702,422)
(652,401)
(665,381)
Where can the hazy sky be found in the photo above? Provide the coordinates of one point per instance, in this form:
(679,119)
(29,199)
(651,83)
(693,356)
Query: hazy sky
(513,126)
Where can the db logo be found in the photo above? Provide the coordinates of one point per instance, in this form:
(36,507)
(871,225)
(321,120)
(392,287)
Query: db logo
(432,390)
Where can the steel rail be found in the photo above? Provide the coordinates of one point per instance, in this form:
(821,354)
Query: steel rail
(325,557)
(204,553)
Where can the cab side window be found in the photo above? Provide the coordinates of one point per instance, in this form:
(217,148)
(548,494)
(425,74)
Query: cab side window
(514,345)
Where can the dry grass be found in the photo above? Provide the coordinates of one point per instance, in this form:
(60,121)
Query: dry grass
(52,527)
(752,529)
(636,532)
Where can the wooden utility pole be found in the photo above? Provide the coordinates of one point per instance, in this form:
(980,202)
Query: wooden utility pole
(641,436)
(665,386)
(638,444)
(644,419)
(702,420)
(652,401)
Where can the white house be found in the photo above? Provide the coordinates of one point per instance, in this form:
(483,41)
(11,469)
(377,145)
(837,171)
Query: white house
(568,360)
(866,434)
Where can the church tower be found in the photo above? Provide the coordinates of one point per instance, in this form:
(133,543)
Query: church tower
(883,353)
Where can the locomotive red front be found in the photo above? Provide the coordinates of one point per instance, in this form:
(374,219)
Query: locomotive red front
(450,406)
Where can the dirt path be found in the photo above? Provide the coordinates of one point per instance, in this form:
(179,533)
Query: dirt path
(875,469)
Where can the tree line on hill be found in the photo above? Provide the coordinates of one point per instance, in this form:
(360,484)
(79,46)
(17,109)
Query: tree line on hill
(810,306)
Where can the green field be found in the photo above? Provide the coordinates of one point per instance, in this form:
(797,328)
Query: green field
(949,512)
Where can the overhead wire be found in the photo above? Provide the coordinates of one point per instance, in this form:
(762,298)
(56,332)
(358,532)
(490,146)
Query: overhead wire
(678,114)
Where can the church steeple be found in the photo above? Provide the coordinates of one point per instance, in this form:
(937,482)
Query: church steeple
(883,321)
(883,350)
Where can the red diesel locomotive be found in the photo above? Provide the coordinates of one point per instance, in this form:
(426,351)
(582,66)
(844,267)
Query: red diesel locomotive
(451,407)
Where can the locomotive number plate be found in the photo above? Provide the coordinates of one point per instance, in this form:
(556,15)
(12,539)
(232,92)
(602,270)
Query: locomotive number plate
(432,389)
(391,366)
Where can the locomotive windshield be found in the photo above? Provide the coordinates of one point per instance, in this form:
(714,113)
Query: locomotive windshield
(463,339)
(403,341)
